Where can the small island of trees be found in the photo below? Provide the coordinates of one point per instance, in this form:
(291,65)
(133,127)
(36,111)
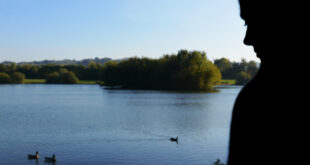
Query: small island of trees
(183,71)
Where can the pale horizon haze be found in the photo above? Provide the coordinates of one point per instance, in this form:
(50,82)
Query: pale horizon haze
(34,30)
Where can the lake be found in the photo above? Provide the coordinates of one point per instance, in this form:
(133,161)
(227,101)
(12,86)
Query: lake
(86,124)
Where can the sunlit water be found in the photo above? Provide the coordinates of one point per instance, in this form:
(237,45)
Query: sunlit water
(86,124)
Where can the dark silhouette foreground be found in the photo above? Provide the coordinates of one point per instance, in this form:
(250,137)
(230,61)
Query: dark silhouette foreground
(269,116)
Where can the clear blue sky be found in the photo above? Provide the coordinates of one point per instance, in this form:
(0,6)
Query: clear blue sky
(77,29)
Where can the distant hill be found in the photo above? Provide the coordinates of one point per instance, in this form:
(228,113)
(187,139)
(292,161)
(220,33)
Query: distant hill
(65,62)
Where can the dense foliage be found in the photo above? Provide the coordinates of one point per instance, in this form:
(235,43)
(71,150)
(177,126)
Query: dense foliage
(4,78)
(90,72)
(186,71)
(62,77)
(15,78)
(243,77)
(242,71)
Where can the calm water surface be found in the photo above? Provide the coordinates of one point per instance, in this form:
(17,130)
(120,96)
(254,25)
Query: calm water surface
(86,124)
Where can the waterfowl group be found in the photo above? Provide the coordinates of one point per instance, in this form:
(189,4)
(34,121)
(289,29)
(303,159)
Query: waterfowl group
(47,159)
(53,158)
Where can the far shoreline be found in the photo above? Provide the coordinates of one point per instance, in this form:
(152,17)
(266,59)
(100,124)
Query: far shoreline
(42,81)
(95,82)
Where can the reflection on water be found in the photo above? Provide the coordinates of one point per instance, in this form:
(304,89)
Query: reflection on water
(86,124)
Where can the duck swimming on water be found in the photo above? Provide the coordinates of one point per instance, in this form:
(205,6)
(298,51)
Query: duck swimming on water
(174,139)
(50,159)
(36,156)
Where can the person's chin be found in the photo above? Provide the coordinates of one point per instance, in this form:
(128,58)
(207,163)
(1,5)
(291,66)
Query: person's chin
(259,55)
(256,51)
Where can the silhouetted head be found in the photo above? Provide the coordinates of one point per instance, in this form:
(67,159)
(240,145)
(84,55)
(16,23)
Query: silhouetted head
(268,27)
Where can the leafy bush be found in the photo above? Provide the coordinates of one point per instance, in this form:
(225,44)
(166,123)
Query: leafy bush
(237,70)
(68,78)
(4,78)
(243,77)
(52,78)
(17,78)
(62,77)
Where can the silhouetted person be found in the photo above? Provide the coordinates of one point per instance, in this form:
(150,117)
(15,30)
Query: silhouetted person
(268,117)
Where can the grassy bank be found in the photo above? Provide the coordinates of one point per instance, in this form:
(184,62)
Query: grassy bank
(42,81)
(34,81)
(228,82)
(87,82)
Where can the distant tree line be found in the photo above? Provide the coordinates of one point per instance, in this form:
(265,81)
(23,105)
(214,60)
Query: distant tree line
(242,71)
(52,73)
(55,73)
(184,70)
(84,62)
(187,70)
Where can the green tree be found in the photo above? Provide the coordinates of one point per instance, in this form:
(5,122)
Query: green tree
(17,78)
(68,77)
(252,68)
(109,74)
(223,64)
(4,78)
(243,77)
(11,68)
(52,78)
(62,77)
(4,68)
(92,65)
(195,71)
(232,70)
(30,71)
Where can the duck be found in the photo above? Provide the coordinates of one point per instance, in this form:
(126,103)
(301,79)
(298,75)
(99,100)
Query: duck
(50,159)
(36,156)
(174,139)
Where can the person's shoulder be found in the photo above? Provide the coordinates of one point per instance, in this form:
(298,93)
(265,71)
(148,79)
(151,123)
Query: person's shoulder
(249,94)
(249,89)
